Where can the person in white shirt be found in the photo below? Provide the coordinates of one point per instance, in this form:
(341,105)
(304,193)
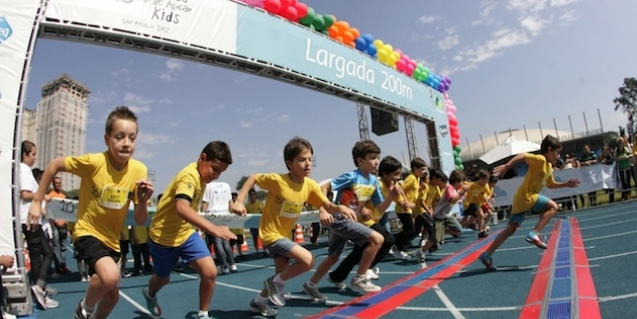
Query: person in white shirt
(217,199)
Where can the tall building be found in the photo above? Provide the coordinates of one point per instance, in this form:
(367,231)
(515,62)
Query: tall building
(60,125)
(28,125)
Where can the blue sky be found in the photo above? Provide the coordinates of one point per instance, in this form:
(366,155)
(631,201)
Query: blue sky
(512,62)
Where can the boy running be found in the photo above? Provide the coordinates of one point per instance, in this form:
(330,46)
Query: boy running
(287,194)
(110,180)
(527,197)
(172,231)
(365,185)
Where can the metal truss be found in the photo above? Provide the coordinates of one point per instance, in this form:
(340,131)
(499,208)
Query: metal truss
(363,123)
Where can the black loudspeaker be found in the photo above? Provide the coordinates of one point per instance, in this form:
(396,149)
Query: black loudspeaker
(384,122)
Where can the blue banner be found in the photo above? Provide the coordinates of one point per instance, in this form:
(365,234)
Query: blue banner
(264,37)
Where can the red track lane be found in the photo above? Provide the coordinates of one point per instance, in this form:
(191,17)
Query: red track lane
(532,308)
(394,302)
(390,304)
(586,292)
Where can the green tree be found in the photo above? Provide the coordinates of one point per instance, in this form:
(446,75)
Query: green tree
(627,100)
(241,182)
(74,193)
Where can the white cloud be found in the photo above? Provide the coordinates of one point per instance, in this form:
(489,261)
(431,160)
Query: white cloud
(122,75)
(501,39)
(427,19)
(568,17)
(138,102)
(525,6)
(140,109)
(284,118)
(451,40)
(144,154)
(257,163)
(172,69)
(534,24)
(148,138)
(559,3)
(247,124)
(485,14)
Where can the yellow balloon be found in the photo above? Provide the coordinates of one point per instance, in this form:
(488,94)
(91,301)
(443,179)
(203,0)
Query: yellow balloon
(382,55)
(392,59)
(395,55)
(389,48)
(378,43)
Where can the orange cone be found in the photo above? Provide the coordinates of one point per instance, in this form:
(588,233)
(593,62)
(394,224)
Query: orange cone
(244,245)
(259,244)
(298,234)
(27,259)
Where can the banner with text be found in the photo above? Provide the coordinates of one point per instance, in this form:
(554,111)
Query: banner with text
(66,209)
(592,178)
(17,19)
(267,38)
(205,23)
(443,137)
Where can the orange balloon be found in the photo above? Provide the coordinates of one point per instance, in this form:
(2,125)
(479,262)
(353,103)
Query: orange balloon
(352,44)
(333,32)
(347,36)
(355,33)
(342,25)
(339,38)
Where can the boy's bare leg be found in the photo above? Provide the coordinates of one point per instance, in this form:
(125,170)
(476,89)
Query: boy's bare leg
(369,253)
(207,271)
(549,212)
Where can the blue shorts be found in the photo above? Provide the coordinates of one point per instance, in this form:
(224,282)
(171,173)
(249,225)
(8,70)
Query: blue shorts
(165,258)
(538,207)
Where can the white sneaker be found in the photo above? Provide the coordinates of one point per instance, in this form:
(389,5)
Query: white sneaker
(40,295)
(50,303)
(422,259)
(6,315)
(84,279)
(338,284)
(371,274)
(362,284)
(391,251)
(401,255)
(226,270)
(233,268)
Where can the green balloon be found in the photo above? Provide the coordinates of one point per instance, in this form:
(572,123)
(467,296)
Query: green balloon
(457,149)
(309,18)
(329,20)
(319,22)
(461,166)
(325,32)
(458,161)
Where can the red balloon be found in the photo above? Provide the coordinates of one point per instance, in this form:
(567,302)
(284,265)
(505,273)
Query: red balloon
(301,10)
(455,141)
(453,121)
(272,6)
(290,13)
(285,3)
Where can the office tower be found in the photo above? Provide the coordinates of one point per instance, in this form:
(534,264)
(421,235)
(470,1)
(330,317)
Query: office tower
(61,120)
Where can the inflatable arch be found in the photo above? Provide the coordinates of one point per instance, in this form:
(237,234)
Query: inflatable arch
(222,33)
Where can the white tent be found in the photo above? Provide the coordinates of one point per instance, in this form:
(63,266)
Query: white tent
(512,146)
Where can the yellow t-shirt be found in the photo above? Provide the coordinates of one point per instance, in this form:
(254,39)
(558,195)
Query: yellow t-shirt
(411,187)
(105,195)
(434,194)
(284,204)
(375,213)
(140,234)
(422,196)
(167,228)
(539,174)
(254,208)
(475,194)
(124,234)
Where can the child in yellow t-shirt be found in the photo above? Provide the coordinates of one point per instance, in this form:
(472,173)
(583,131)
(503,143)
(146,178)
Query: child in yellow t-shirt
(487,206)
(477,195)
(411,188)
(141,252)
(254,207)
(110,180)
(172,232)
(287,193)
(527,198)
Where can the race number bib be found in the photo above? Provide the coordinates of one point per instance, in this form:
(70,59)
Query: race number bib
(113,198)
(290,209)
(364,193)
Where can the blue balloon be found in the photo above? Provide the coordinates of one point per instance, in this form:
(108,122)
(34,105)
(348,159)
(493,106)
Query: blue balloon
(360,43)
(369,39)
(371,50)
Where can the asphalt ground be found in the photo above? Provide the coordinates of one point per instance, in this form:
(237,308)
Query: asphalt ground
(454,285)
